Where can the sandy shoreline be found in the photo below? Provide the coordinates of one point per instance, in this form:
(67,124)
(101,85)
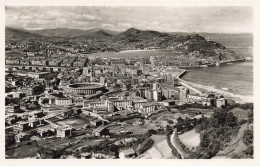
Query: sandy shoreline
(236,97)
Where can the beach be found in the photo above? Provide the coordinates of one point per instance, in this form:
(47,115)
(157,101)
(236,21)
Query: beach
(206,88)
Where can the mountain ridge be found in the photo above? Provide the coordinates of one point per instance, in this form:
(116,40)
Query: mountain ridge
(191,44)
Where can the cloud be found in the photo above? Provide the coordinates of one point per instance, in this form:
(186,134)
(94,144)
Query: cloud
(190,19)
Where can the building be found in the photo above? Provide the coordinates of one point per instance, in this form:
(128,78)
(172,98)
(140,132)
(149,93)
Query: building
(137,103)
(101,131)
(84,88)
(183,94)
(36,75)
(149,107)
(122,104)
(102,81)
(148,94)
(157,95)
(63,101)
(127,154)
(23,125)
(167,103)
(194,98)
(85,155)
(207,102)
(94,104)
(167,93)
(22,137)
(64,131)
(221,102)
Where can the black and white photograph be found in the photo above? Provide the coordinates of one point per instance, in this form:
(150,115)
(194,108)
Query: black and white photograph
(129,82)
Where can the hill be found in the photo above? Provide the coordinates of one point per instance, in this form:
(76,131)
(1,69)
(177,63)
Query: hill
(17,34)
(66,32)
(192,45)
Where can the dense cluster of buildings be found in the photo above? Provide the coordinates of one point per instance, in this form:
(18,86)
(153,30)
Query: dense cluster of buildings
(39,100)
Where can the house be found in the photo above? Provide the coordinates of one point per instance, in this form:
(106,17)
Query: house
(23,125)
(101,131)
(85,155)
(67,113)
(139,102)
(127,154)
(22,137)
(167,103)
(63,101)
(45,132)
(149,107)
(97,122)
(33,123)
(221,102)
(193,98)
(103,156)
(64,131)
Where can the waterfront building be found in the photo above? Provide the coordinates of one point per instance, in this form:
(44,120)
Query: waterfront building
(221,102)
(193,98)
(183,94)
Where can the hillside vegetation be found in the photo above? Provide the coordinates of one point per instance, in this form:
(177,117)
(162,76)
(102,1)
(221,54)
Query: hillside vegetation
(192,45)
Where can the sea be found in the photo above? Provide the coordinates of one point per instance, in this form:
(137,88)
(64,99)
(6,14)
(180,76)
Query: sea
(235,77)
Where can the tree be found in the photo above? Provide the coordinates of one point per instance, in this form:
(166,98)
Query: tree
(146,145)
(248,137)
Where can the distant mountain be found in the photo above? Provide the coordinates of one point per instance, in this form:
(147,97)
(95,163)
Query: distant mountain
(61,32)
(65,32)
(193,45)
(137,34)
(14,33)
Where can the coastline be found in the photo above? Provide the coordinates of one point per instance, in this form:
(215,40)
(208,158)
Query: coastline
(236,97)
(214,64)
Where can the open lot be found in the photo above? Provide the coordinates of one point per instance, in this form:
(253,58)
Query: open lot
(74,122)
(190,139)
(135,129)
(240,113)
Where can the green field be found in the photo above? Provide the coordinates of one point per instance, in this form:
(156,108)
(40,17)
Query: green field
(240,113)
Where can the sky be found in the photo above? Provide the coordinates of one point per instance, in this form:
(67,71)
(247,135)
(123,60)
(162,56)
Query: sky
(164,19)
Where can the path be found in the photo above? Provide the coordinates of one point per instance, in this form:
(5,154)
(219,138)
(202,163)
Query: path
(173,142)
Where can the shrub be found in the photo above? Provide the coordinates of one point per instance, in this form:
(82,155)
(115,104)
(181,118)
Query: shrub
(249,151)
(248,137)
(174,150)
(146,145)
